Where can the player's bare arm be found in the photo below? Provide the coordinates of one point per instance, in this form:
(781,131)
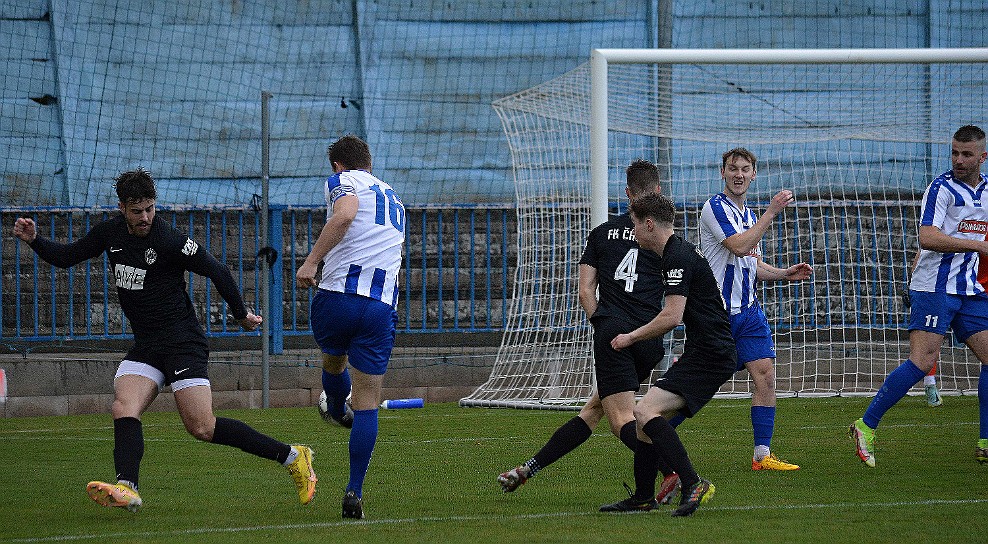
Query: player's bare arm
(25,229)
(933,239)
(344,210)
(669,318)
(588,289)
(742,243)
(796,272)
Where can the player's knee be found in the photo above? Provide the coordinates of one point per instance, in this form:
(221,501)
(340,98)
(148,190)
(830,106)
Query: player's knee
(924,363)
(117,410)
(334,364)
(616,424)
(644,413)
(764,382)
(121,409)
(592,415)
(619,414)
(200,431)
(762,374)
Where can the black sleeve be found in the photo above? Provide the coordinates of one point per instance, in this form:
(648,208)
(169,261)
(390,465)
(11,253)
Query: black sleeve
(589,256)
(66,255)
(678,268)
(201,262)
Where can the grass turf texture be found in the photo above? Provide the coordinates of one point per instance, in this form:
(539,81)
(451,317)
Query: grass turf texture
(433,475)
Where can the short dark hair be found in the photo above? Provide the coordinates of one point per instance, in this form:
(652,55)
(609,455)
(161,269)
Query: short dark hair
(135,185)
(738,152)
(643,177)
(351,152)
(969,133)
(658,207)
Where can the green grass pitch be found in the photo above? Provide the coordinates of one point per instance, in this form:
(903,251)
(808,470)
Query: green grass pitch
(432,479)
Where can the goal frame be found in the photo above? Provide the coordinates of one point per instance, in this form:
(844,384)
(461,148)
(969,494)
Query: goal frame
(601,58)
(543,364)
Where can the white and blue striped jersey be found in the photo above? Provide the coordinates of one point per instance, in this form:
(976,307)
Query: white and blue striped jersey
(735,275)
(367,260)
(956,209)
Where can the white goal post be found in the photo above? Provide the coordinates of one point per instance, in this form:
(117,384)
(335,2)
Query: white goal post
(857,134)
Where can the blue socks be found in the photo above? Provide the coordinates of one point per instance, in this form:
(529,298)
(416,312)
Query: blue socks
(337,387)
(763,423)
(363,435)
(896,385)
(983,401)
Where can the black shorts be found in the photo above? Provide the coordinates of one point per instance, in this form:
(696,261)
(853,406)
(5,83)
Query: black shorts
(625,370)
(177,361)
(697,377)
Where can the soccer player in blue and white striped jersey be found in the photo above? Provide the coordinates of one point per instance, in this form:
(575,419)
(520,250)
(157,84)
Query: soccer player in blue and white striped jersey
(944,290)
(730,238)
(353,315)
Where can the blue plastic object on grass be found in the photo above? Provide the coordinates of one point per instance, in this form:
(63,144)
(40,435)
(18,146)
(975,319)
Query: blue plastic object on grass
(402,403)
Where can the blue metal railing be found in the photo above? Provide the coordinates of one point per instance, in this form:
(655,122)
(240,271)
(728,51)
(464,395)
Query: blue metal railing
(458,269)
(457,274)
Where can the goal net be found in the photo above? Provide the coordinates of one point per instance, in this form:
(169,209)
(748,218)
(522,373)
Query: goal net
(857,142)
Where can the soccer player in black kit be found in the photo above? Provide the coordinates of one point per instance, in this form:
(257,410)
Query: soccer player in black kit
(626,280)
(149,260)
(708,361)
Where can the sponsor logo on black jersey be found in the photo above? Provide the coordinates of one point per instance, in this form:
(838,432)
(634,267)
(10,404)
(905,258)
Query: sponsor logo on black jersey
(190,247)
(674,276)
(129,277)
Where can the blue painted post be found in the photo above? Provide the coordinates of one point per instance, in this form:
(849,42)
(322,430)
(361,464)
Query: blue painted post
(275,308)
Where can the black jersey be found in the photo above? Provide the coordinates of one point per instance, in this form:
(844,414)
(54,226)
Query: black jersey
(627,274)
(686,272)
(149,273)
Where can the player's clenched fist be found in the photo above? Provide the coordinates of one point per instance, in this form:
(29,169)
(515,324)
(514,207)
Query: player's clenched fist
(24,229)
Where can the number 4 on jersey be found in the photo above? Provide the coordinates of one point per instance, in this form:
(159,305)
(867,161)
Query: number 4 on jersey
(626,270)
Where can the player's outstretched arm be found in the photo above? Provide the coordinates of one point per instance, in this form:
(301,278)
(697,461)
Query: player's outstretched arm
(60,255)
(796,272)
(203,263)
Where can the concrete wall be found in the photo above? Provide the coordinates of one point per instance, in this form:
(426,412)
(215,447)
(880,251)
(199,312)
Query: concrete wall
(52,384)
